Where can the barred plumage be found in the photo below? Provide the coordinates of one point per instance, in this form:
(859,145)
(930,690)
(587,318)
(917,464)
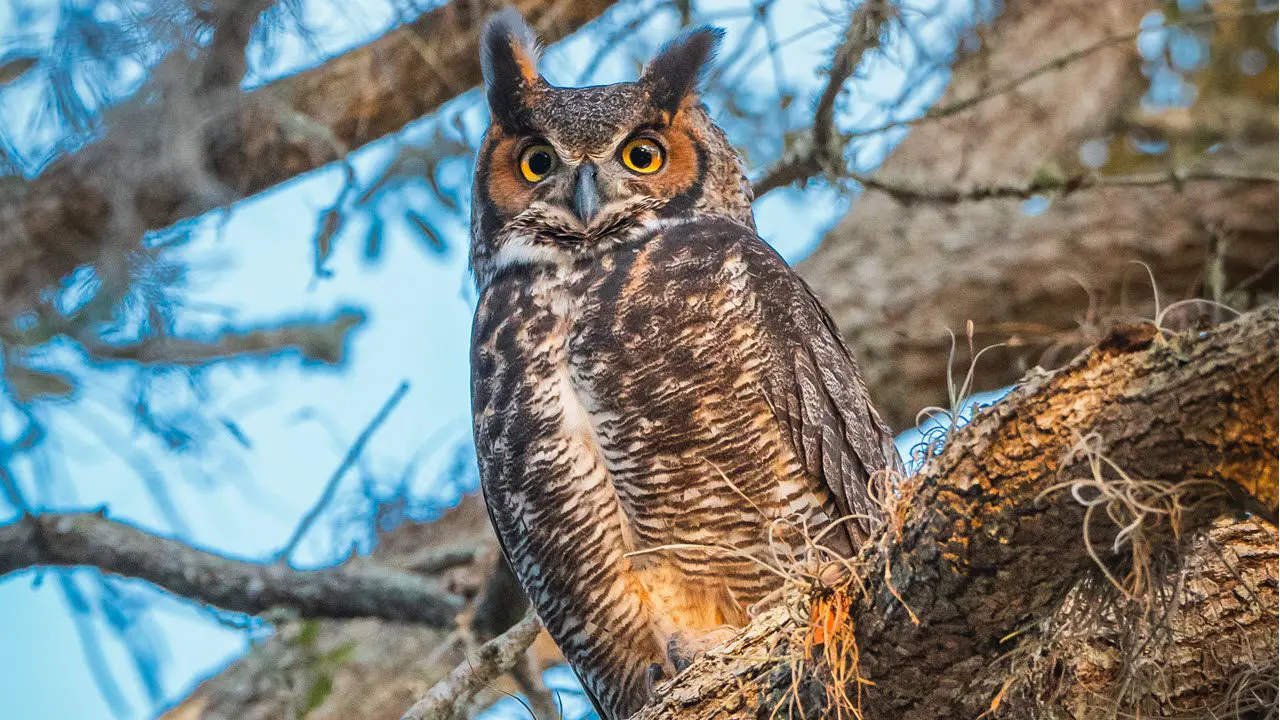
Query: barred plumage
(653,388)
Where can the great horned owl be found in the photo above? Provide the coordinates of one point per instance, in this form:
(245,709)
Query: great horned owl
(663,411)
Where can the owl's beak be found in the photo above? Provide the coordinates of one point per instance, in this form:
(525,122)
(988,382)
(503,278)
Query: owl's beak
(586,196)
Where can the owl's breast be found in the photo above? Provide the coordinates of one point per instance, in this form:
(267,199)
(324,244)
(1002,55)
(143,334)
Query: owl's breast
(666,356)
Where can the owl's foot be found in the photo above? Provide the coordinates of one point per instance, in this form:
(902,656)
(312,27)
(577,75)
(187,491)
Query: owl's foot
(684,647)
(653,675)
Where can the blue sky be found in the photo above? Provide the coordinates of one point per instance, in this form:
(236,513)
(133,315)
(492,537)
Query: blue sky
(255,264)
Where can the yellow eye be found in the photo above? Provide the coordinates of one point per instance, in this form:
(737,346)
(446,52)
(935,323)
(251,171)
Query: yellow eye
(643,156)
(537,162)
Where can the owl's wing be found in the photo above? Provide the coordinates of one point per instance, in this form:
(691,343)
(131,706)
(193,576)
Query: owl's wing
(506,558)
(815,390)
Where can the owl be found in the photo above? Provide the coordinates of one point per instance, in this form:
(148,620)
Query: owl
(664,414)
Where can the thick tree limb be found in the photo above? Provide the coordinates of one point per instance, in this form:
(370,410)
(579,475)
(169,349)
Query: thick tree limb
(987,546)
(186,155)
(90,540)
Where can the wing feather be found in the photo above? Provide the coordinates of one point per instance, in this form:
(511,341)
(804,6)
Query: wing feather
(815,389)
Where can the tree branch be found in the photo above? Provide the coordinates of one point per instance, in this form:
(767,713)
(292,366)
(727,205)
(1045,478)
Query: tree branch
(495,658)
(1052,184)
(91,540)
(825,153)
(1055,64)
(860,36)
(98,202)
(993,507)
(822,146)
(386,666)
(981,553)
(225,63)
(348,460)
(315,340)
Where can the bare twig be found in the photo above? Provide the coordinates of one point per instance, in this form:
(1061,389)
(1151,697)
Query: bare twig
(348,460)
(91,540)
(498,656)
(1049,183)
(822,145)
(861,35)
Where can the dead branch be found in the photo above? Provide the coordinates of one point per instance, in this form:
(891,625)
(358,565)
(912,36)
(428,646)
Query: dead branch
(322,341)
(861,35)
(822,145)
(495,658)
(1053,184)
(983,553)
(91,540)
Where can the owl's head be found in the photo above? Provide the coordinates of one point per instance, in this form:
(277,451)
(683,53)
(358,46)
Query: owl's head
(564,172)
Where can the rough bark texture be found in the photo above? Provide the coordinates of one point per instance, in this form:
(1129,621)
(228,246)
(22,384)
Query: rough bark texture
(960,607)
(193,151)
(896,275)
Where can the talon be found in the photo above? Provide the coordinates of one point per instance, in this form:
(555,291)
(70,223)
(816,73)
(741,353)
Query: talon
(653,675)
(678,657)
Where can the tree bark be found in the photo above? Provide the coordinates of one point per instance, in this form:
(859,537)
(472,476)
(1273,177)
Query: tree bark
(984,593)
(200,147)
(897,274)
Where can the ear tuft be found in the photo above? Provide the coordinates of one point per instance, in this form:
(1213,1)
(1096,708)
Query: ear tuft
(509,65)
(675,71)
